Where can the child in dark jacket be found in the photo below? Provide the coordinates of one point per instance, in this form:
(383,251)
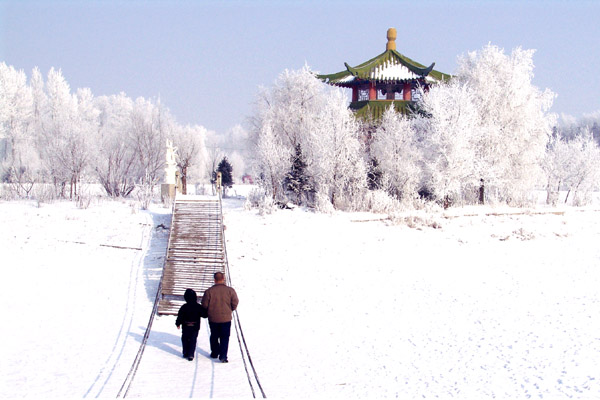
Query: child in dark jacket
(189,318)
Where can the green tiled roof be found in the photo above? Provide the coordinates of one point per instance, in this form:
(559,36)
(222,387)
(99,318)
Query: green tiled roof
(363,71)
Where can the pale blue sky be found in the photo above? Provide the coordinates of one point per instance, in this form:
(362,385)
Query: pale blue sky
(206,59)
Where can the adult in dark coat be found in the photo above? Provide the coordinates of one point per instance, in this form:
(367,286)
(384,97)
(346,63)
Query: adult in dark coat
(188,318)
(219,301)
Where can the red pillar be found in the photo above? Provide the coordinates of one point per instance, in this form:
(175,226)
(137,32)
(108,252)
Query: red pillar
(355,93)
(406,92)
(372,91)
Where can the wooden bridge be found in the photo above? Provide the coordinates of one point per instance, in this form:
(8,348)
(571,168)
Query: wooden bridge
(195,250)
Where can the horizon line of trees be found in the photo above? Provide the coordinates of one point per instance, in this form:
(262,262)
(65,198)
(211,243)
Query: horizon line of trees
(50,134)
(485,136)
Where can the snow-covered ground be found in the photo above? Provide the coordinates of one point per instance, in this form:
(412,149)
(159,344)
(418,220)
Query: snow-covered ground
(77,291)
(475,303)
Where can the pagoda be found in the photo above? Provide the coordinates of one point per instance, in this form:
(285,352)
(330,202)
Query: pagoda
(388,79)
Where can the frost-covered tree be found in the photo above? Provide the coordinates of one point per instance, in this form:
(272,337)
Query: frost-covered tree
(513,125)
(17,159)
(338,167)
(67,127)
(398,155)
(15,109)
(271,160)
(115,156)
(87,128)
(191,151)
(131,138)
(296,183)
(39,97)
(572,163)
(449,139)
(488,128)
(299,112)
(55,122)
(151,124)
(284,115)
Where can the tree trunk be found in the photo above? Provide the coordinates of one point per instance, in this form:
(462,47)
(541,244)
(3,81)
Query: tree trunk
(567,197)
(446,202)
(482,193)
(184,180)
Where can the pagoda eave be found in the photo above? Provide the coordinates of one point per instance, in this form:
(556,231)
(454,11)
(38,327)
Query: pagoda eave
(362,82)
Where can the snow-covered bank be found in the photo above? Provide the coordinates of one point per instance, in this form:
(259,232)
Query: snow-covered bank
(481,306)
(77,287)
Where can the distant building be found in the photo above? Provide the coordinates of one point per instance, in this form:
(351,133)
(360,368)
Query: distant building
(247,179)
(388,79)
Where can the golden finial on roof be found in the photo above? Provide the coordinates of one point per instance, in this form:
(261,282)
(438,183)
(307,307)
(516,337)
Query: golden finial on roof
(391,37)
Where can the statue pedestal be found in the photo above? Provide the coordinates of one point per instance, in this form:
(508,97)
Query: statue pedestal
(167,192)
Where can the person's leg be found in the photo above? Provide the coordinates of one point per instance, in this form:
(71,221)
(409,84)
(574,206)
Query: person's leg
(224,340)
(185,341)
(193,340)
(214,339)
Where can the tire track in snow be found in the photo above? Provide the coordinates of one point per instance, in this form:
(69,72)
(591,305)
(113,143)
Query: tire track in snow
(134,275)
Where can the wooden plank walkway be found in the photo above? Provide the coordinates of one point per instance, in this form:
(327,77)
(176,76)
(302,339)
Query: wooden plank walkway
(195,250)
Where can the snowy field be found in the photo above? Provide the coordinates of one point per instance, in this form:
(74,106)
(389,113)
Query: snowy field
(476,303)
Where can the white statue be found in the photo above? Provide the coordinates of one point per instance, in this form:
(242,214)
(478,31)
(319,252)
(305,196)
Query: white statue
(171,167)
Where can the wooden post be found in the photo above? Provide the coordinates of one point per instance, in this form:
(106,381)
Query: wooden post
(355,93)
(219,180)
